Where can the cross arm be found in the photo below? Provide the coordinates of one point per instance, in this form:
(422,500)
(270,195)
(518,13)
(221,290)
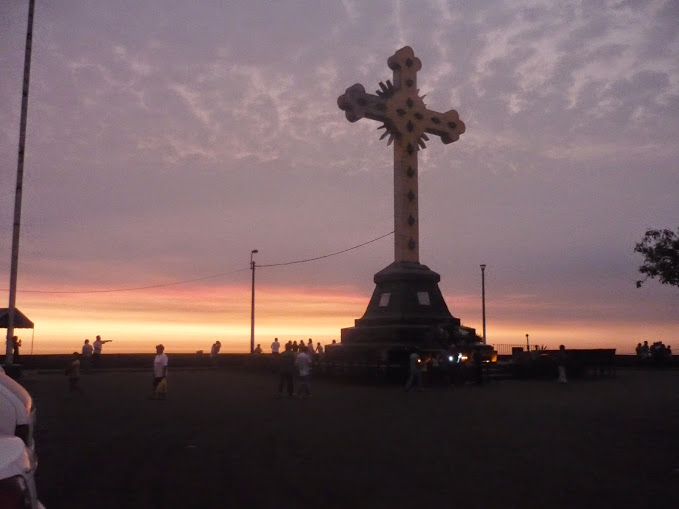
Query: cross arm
(447,126)
(356,104)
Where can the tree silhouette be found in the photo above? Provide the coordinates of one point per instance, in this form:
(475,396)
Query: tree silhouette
(661,252)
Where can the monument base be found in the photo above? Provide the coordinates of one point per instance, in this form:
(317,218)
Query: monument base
(408,309)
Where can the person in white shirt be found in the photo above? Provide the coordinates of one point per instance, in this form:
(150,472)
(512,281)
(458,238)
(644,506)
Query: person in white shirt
(303,365)
(275,346)
(160,373)
(98,343)
(415,369)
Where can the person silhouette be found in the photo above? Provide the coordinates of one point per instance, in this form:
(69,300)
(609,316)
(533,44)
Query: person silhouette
(414,372)
(561,358)
(16,343)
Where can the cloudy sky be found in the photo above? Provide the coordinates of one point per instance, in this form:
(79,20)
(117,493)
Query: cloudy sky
(166,141)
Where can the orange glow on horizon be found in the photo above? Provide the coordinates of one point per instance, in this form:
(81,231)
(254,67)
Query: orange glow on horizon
(189,319)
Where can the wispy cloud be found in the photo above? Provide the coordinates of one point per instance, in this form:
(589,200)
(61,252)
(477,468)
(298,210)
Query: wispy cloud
(166,141)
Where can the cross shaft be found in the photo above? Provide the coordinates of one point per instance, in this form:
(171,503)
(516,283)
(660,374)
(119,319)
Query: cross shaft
(406,121)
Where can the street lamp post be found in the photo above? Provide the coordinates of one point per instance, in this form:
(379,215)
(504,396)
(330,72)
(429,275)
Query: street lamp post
(527,344)
(14,264)
(483,299)
(252,305)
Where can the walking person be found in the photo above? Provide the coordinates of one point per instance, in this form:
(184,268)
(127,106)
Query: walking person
(415,372)
(73,374)
(286,371)
(159,374)
(303,365)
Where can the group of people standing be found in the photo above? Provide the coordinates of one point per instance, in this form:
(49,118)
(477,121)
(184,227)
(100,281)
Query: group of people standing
(91,352)
(88,357)
(294,363)
(657,352)
(295,347)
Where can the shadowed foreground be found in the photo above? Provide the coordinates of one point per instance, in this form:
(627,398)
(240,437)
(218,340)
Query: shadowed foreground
(222,439)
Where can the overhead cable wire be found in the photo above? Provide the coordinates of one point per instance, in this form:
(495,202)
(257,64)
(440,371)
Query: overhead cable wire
(162,285)
(328,255)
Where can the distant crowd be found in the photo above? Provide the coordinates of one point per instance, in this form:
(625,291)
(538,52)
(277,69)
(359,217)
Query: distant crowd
(294,363)
(294,347)
(656,352)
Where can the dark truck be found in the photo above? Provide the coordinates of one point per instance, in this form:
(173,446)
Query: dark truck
(456,364)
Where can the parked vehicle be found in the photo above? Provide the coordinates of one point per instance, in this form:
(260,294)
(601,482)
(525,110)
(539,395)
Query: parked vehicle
(487,352)
(17,475)
(17,412)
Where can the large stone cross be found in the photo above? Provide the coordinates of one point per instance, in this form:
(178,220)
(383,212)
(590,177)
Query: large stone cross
(406,121)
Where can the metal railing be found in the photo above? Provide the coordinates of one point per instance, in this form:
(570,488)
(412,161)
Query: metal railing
(506,348)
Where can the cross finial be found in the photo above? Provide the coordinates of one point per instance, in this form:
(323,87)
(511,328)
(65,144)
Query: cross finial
(407,121)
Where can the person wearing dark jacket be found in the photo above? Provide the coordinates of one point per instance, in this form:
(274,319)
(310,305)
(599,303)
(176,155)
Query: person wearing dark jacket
(286,370)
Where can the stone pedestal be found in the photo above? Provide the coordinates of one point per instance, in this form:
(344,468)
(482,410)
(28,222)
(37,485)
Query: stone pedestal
(406,308)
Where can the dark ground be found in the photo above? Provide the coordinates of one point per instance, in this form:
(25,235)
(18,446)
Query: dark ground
(223,440)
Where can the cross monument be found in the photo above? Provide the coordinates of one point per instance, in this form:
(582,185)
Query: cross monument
(407,121)
(407,307)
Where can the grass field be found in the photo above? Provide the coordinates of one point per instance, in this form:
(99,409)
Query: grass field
(223,439)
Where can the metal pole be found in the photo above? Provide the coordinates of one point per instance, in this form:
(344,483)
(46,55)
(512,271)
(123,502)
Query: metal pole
(483,299)
(527,344)
(9,352)
(252,305)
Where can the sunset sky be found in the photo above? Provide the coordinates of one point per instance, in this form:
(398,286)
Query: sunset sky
(167,139)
